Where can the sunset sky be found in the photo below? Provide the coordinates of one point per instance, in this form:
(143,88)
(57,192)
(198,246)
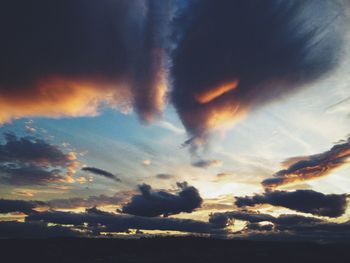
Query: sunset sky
(225,118)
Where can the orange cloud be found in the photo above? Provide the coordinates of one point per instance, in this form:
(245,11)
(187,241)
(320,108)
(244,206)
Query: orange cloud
(59,96)
(310,167)
(209,95)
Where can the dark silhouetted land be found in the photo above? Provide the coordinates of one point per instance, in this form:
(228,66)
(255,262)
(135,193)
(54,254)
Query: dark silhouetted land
(168,249)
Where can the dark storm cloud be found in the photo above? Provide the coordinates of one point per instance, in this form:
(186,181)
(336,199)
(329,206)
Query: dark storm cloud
(101,172)
(31,161)
(26,207)
(221,58)
(309,167)
(14,229)
(155,203)
(306,201)
(233,56)
(121,223)
(69,57)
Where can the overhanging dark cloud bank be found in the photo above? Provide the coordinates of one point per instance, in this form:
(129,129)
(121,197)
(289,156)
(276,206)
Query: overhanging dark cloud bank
(219,58)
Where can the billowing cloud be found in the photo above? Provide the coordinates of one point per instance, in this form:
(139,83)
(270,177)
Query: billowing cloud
(122,54)
(87,54)
(12,206)
(306,201)
(101,172)
(207,163)
(155,203)
(30,161)
(234,56)
(309,167)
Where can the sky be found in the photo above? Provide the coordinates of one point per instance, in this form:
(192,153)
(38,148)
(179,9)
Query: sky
(223,118)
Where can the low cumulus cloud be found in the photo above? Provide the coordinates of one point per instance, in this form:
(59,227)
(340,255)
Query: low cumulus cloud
(224,219)
(284,227)
(298,228)
(306,201)
(101,172)
(32,161)
(13,206)
(152,203)
(111,222)
(310,167)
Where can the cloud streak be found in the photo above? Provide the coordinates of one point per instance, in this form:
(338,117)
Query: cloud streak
(306,201)
(101,172)
(310,167)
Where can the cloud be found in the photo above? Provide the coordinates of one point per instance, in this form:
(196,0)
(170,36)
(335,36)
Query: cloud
(91,201)
(111,222)
(220,72)
(224,219)
(30,175)
(101,172)
(299,228)
(155,203)
(286,227)
(31,150)
(310,167)
(124,54)
(31,161)
(207,163)
(87,55)
(163,176)
(147,162)
(14,229)
(306,201)
(26,207)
